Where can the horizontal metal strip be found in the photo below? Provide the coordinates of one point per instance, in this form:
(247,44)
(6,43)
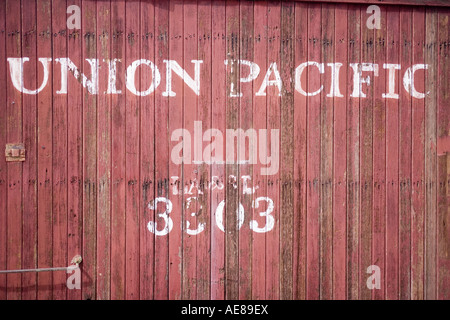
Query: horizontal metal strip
(75,261)
(445,3)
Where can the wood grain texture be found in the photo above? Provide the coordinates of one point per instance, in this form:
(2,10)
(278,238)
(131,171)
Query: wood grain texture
(362,142)
(287,154)
(45,154)
(339,146)
(230,212)
(3,166)
(118,271)
(218,97)
(405,141)
(313,157)
(103,158)
(147,154)
(273,245)
(392,158)
(260,110)
(327,44)
(29,195)
(90,187)
(246,170)
(132,136)
(204,114)
(75,156)
(431,49)
(366,159)
(60,156)
(162,179)
(14,132)
(185,107)
(353,161)
(417,20)
(443,161)
(379,156)
(300,158)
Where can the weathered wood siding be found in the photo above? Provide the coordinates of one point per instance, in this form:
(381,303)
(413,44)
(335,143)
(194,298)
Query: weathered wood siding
(351,144)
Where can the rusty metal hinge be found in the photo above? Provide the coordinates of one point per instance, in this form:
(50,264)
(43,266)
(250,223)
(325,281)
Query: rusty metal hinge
(15,152)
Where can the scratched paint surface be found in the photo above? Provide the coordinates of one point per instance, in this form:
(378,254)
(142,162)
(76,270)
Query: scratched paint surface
(226,149)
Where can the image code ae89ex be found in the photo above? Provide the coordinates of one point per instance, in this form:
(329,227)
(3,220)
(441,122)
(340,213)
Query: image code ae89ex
(226,310)
(244,309)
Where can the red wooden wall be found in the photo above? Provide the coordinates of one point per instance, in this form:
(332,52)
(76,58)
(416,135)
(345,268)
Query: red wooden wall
(361,181)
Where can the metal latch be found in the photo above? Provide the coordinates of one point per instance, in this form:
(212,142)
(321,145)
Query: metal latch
(15,152)
(75,264)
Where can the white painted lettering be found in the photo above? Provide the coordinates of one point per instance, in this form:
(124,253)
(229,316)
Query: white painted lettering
(16,72)
(194,84)
(391,80)
(266,82)
(408,81)
(131,72)
(298,73)
(67,64)
(358,69)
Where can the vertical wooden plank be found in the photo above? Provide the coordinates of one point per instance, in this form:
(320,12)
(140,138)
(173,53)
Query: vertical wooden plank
(45,153)
(404,172)
(273,92)
(313,155)
(300,145)
(147,146)
(393,44)
(185,104)
(162,154)
(417,27)
(327,43)
(245,170)
(366,158)
(443,154)
(89,49)
(30,140)
(431,47)
(3,141)
(103,154)
(260,123)
(118,270)
(204,114)
(339,161)
(353,162)
(75,155)
(59,48)
(181,263)
(379,156)
(286,154)
(230,213)
(218,180)
(74,151)
(14,117)
(132,189)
